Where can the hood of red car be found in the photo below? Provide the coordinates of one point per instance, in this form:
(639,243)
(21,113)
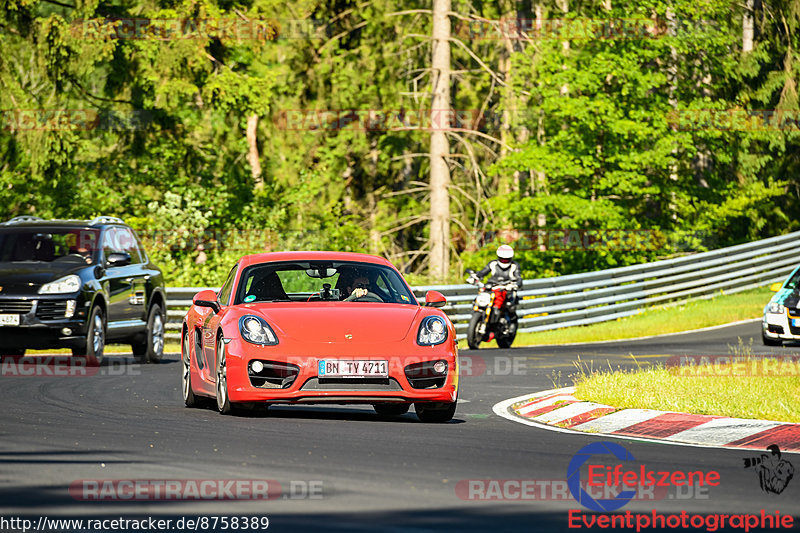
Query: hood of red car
(338,321)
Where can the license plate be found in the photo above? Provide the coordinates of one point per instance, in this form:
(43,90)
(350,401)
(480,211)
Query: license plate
(352,368)
(9,320)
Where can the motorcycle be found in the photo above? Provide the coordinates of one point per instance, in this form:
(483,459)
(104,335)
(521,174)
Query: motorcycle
(491,316)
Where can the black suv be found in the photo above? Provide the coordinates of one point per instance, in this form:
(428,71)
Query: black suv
(77,284)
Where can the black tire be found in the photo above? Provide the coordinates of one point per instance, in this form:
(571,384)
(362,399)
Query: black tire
(151,349)
(391,409)
(473,339)
(505,341)
(224,404)
(436,413)
(186,377)
(94,345)
(770,342)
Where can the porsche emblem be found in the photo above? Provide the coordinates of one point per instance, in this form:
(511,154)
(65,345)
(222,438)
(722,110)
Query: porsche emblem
(347,336)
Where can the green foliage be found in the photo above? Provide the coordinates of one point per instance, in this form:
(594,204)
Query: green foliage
(592,135)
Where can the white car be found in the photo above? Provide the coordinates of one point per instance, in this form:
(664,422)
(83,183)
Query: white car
(781,315)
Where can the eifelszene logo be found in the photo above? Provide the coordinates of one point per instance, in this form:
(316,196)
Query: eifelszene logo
(628,480)
(774,472)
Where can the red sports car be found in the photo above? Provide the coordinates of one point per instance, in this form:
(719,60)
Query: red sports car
(320,327)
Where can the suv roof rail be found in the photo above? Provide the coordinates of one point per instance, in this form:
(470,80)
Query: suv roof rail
(106,220)
(22,219)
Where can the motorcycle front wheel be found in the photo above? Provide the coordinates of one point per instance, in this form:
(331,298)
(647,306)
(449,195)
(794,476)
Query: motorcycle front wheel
(473,337)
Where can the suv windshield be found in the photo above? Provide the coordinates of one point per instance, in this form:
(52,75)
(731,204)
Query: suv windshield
(48,245)
(308,281)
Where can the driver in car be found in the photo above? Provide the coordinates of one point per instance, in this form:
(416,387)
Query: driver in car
(359,288)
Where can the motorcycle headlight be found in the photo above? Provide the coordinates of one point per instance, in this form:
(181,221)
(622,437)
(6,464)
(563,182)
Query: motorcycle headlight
(256,330)
(483,299)
(65,285)
(775,307)
(432,331)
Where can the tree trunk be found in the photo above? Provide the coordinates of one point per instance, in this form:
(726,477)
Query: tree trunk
(748,26)
(439,256)
(252,153)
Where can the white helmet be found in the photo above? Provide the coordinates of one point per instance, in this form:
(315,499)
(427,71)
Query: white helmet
(505,253)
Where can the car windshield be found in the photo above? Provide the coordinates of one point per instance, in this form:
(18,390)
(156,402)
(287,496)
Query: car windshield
(794,281)
(310,281)
(48,245)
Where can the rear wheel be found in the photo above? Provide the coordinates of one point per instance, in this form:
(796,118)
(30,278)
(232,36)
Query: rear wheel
(391,409)
(473,338)
(152,348)
(770,342)
(435,413)
(95,343)
(186,373)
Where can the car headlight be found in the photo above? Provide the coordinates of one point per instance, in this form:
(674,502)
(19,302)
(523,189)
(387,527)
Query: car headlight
(432,331)
(775,307)
(65,285)
(254,329)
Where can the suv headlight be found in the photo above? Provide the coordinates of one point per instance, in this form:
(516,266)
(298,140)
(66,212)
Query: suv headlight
(256,330)
(775,307)
(432,331)
(65,285)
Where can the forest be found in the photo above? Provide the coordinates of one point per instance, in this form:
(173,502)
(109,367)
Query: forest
(588,134)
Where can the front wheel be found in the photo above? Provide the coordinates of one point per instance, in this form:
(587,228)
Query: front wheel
(152,348)
(770,342)
(95,342)
(505,341)
(224,404)
(473,337)
(436,413)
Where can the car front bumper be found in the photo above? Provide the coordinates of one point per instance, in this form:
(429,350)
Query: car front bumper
(778,326)
(309,387)
(41,323)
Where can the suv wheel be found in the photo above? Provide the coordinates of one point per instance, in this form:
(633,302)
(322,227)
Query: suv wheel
(95,342)
(152,348)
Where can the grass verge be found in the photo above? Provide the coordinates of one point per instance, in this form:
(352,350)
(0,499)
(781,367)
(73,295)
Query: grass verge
(722,309)
(745,389)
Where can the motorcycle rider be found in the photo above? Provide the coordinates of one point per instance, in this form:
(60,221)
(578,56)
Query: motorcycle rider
(504,269)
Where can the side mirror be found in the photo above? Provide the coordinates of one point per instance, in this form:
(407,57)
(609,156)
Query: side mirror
(206,298)
(118,259)
(775,287)
(435,299)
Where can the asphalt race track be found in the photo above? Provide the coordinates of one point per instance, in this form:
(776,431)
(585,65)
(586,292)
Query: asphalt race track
(343,468)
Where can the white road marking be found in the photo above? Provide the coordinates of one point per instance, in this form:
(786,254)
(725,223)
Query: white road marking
(723,430)
(570,411)
(619,420)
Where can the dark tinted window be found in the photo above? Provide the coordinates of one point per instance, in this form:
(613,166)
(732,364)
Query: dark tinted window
(121,240)
(48,245)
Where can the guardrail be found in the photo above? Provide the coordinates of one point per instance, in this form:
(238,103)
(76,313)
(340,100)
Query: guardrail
(592,297)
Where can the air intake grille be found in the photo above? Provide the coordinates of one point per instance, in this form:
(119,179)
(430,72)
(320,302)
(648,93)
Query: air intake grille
(15,306)
(51,309)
